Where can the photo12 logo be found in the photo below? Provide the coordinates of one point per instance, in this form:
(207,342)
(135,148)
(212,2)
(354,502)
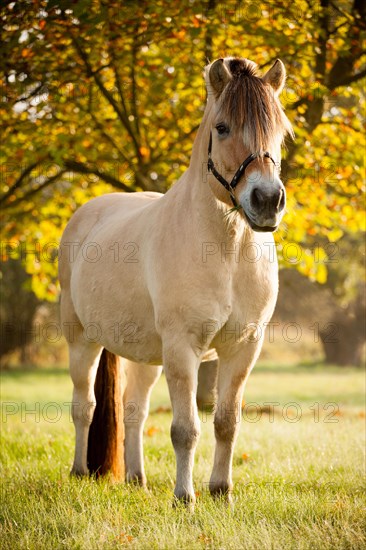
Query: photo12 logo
(50,252)
(290,252)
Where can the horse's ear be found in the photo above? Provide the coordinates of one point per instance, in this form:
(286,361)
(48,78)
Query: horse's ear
(276,76)
(219,76)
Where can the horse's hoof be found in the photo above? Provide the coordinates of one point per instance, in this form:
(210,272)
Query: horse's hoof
(75,472)
(137,479)
(184,500)
(222,491)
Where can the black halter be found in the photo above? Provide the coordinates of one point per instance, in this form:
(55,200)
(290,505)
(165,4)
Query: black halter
(238,174)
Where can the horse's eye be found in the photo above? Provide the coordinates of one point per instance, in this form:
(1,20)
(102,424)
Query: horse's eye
(222,129)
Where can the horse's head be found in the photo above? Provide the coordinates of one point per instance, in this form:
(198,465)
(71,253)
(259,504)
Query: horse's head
(247,127)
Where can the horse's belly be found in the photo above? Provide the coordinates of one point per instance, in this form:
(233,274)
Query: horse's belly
(115,310)
(134,340)
(130,332)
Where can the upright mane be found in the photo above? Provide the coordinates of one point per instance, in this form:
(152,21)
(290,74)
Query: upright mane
(250,105)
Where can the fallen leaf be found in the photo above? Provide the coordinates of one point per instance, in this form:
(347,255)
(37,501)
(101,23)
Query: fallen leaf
(204,538)
(152,431)
(163,410)
(124,537)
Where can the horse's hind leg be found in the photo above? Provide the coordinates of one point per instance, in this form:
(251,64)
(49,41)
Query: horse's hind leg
(140,380)
(84,358)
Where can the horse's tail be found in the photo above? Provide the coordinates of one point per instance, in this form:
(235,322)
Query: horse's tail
(106,434)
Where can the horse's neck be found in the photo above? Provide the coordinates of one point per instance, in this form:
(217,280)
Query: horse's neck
(206,210)
(200,145)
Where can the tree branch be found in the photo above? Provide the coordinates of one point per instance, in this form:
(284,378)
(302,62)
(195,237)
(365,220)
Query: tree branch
(210,9)
(347,80)
(134,86)
(23,175)
(36,190)
(342,72)
(114,65)
(106,136)
(81,168)
(109,97)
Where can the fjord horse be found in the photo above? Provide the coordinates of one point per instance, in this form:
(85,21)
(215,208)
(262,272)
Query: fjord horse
(150,279)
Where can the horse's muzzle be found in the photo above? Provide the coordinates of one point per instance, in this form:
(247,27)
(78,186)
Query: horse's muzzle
(265,207)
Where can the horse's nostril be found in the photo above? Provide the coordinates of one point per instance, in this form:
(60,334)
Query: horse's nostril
(281,204)
(257,199)
(278,200)
(273,201)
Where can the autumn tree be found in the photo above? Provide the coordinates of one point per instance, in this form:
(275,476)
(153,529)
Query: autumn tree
(101,96)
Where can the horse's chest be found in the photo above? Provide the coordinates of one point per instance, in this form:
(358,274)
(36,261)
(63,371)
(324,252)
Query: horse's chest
(254,292)
(253,298)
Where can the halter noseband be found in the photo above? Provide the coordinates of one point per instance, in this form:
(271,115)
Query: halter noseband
(240,171)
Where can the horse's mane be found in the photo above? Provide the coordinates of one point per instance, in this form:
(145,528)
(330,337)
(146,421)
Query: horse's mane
(250,105)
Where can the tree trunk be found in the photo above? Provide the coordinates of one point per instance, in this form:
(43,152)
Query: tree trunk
(17,310)
(343,338)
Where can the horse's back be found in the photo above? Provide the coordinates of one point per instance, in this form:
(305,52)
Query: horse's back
(95,210)
(93,213)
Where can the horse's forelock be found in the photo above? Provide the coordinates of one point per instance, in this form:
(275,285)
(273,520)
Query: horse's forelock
(250,105)
(242,67)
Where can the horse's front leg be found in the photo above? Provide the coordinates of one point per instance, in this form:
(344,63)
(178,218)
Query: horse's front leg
(233,373)
(181,369)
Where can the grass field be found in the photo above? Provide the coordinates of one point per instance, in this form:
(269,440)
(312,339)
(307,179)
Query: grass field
(298,470)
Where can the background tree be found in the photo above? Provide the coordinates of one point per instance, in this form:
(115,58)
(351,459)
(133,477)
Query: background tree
(102,96)
(17,310)
(346,281)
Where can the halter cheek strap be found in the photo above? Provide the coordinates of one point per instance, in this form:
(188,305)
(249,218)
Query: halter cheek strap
(238,174)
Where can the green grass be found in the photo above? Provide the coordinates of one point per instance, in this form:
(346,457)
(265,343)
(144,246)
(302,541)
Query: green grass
(297,484)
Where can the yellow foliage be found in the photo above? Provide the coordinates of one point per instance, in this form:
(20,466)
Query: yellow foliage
(136,105)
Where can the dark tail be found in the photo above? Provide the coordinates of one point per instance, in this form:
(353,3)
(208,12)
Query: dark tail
(106,434)
(207,385)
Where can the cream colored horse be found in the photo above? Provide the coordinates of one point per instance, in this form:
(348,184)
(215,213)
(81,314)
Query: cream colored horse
(164,279)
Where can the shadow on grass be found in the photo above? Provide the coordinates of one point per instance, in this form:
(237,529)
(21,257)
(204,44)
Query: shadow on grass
(15,373)
(303,367)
